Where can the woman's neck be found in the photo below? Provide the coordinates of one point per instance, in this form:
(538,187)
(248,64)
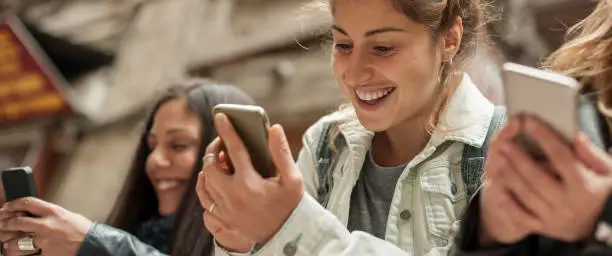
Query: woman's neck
(401,143)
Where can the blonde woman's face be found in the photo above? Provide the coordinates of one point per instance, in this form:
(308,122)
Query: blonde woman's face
(386,64)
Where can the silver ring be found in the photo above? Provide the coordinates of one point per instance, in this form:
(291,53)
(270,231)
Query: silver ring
(26,244)
(207,156)
(211,208)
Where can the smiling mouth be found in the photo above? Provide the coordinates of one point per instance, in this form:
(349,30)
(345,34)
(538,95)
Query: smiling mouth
(166,185)
(374,97)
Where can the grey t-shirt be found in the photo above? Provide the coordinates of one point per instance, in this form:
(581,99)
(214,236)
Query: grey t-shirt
(371,197)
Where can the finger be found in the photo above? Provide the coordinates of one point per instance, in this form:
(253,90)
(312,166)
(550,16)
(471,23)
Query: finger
(203,196)
(282,156)
(212,178)
(31,205)
(509,131)
(223,160)
(6,236)
(217,198)
(214,147)
(516,213)
(556,150)
(206,200)
(524,193)
(216,180)
(7,215)
(214,224)
(12,247)
(238,153)
(593,157)
(22,224)
(494,163)
(535,176)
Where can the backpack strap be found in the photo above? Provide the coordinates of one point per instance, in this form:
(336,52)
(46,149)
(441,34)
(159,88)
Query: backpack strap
(472,163)
(326,161)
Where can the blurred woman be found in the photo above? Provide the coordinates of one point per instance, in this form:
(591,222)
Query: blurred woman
(157,206)
(561,206)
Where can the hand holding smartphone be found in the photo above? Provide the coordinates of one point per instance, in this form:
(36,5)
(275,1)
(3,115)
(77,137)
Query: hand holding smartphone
(548,96)
(252,126)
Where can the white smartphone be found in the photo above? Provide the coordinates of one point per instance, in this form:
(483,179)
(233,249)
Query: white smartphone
(550,97)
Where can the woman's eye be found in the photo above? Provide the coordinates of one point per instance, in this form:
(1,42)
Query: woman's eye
(383,50)
(179,147)
(343,48)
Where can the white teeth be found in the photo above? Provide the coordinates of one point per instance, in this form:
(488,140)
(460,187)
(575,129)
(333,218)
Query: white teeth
(373,95)
(167,184)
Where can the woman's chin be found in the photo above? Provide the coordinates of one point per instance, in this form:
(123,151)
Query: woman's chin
(373,124)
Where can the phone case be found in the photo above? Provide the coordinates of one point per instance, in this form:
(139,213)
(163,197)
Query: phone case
(18,183)
(252,125)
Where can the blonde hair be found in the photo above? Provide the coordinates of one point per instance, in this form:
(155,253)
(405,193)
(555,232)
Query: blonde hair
(587,54)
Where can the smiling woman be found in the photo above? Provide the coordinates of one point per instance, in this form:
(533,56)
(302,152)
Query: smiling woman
(404,157)
(155,205)
(157,211)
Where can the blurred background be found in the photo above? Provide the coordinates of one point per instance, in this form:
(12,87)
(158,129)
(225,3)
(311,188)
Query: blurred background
(87,70)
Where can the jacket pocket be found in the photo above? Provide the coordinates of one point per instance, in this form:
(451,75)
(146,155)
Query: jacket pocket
(444,200)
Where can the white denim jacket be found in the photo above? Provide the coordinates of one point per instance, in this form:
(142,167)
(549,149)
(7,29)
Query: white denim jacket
(423,211)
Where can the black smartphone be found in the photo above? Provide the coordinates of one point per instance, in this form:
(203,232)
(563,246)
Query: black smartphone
(18,183)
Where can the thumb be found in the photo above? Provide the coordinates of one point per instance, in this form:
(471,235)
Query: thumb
(281,154)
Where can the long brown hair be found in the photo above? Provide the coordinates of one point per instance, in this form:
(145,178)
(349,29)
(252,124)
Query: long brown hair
(587,54)
(138,202)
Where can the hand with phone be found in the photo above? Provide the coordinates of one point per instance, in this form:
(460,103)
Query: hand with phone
(225,235)
(549,175)
(6,236)
(56,230)
(560,198)
(254,205)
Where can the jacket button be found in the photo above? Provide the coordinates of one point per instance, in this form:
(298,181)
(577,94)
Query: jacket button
(290,249)
(454,188)
(405,215)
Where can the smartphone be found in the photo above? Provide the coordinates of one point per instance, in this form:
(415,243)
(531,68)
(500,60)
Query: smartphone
(19,183)
(550,97)
(252,125)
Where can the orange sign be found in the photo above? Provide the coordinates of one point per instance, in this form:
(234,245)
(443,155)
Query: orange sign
(30,87)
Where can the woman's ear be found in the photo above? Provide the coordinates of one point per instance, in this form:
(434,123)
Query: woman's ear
(452,40)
